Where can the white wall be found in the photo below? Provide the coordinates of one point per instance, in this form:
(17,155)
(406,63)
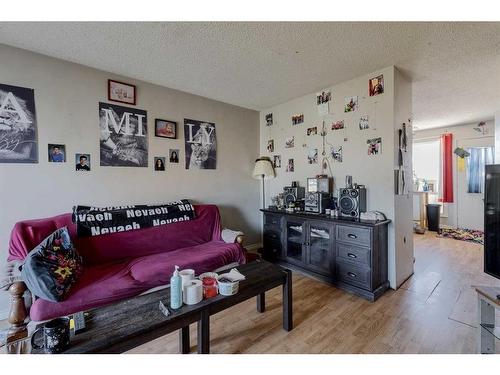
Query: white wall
(403,203)
(461,134)
(66,99)
(376,172)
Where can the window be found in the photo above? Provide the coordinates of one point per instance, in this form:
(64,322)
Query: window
(426,165)
(426,171)
(479,157)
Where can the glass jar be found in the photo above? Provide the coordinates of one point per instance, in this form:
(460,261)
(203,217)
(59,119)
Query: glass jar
(210,288)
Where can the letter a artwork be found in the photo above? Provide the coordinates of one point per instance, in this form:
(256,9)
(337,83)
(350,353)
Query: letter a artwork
(18,128)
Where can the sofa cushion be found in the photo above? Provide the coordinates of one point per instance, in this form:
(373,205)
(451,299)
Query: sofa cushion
(98,285)
(202,258)
(52,267)
(103,284)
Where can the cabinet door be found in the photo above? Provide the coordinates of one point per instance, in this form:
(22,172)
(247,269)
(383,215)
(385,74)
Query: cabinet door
(294,241)
(272,244)
(320,255)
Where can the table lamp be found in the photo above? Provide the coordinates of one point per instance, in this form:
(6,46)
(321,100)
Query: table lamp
(263,170)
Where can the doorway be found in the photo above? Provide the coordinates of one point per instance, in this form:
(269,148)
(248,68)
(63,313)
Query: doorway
(470,205)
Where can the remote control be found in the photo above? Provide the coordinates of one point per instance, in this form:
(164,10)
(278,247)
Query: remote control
(164,309)
(79,319)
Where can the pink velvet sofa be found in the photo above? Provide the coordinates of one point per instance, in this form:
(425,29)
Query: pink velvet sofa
(125,264)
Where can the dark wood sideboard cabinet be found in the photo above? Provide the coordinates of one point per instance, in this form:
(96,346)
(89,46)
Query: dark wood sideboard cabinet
(351,254)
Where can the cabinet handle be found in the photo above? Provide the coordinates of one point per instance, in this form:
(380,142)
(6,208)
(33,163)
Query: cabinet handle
(352,274)
(306,244)
(351,255)
(350,235)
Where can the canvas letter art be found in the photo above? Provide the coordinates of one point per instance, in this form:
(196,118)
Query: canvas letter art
(200,144)
(18,127)
(124,136)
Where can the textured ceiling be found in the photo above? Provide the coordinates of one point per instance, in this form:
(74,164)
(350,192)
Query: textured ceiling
(455,67)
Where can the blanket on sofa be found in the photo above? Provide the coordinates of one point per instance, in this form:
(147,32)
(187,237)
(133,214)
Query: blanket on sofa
(95,221)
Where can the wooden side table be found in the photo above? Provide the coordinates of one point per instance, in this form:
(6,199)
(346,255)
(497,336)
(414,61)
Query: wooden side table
(488,303)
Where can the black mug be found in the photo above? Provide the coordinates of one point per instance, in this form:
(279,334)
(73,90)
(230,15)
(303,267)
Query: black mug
(55,336)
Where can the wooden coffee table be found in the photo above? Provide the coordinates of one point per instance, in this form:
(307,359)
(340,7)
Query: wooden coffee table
(129,323)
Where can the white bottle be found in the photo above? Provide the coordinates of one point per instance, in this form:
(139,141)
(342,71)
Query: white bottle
(176,289)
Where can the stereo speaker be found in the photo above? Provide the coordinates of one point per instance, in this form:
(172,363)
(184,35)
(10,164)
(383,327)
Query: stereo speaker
(352,202)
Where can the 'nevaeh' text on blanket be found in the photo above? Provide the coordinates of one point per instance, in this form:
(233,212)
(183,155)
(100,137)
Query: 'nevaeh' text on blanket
(95,221)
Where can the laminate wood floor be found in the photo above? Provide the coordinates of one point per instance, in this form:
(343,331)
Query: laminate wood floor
(433,312)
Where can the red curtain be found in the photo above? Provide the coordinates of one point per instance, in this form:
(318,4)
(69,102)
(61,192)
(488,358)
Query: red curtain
(446,168)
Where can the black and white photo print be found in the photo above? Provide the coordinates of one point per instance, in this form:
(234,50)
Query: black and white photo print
(124,136)
(18,127)
(277,161)
(269,119)
(200,144)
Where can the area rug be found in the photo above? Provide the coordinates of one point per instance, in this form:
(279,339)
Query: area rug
(469,235)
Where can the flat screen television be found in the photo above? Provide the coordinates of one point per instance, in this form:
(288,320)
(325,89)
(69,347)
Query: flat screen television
(492,220)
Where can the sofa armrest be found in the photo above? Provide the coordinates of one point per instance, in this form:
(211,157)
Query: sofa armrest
(18,312)
(11,281)
(232,236)
(10,274)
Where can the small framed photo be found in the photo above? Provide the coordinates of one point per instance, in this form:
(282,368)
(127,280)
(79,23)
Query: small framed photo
(312,131)
(270,145)
(374,146)
(350,104)
(277,161)
(269,119)
(173,155)
(57,153)
(376,85)
(121,92)
(82,162)
(159,163)
(165,129)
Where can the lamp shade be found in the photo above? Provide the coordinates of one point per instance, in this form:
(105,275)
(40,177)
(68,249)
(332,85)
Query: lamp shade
(263,168)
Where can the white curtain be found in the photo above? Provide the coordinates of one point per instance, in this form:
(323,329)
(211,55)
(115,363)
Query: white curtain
(479,157)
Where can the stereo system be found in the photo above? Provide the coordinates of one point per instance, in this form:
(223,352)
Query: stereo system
(321,184)
(317,202)
(293,193)
(352,201)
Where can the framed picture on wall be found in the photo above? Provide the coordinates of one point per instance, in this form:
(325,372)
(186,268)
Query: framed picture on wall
(121,92)
(376,85)
(82,162)
(57,153)
(165,128)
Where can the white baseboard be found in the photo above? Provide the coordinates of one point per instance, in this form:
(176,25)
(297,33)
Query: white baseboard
(253,247)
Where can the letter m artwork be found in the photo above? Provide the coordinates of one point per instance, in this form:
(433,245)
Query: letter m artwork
(123,136)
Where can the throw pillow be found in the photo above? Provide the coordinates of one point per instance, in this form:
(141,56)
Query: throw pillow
(51,268)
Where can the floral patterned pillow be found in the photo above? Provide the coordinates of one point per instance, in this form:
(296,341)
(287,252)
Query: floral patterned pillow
(51,268)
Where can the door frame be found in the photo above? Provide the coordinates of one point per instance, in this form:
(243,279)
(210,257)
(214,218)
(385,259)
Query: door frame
(485,141)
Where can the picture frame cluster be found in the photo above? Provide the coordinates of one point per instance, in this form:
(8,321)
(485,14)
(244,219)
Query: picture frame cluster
(324,101)
(123,139)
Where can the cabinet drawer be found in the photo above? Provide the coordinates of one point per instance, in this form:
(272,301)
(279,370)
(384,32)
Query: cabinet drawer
(355,235)
(272,220)
(354,275)
(355,254)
